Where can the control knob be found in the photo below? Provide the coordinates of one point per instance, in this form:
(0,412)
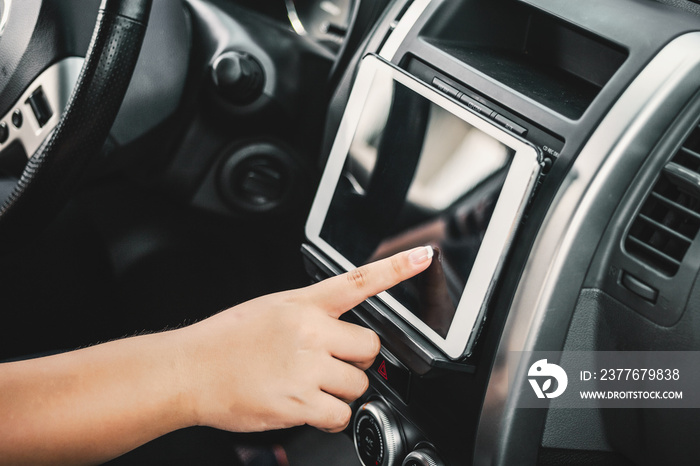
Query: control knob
(238,77)
(422,457)
(378,437)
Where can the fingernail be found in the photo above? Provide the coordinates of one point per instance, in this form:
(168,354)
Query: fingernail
(421,255)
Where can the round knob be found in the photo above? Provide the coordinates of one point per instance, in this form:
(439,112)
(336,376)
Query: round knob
(377,434)
(260,177)
(238,77)
(422,457)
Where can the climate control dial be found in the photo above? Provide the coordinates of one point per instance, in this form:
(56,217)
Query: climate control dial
(422,457)
(378,436)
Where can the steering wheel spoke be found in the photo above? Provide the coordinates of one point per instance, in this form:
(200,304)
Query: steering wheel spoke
(72,139)
(41,106)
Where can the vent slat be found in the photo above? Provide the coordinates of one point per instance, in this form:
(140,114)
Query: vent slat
(684,177)
(676,205)
(670,260)
(666,229)
(668,221)
(691,153)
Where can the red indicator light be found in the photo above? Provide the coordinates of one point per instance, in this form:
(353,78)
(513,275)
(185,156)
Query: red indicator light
(382,370)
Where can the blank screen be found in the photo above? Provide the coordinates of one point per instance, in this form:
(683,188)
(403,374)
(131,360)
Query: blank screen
(416,174)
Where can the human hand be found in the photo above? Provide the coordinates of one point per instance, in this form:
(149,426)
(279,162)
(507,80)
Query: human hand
(285,359)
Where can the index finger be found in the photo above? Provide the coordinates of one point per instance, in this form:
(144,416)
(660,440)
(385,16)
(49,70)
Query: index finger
(343,292)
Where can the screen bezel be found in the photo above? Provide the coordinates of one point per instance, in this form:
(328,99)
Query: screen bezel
(515,193)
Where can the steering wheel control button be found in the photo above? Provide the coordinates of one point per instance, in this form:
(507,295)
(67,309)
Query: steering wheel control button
(40,106)
(17,118)
(392,373)
(4,132)
(377,434)
(422,457)
(238,77)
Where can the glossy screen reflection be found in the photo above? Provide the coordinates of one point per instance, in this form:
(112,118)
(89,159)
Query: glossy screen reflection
(416,174)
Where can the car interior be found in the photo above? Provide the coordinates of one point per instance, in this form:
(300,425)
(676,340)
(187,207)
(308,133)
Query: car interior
(163,160)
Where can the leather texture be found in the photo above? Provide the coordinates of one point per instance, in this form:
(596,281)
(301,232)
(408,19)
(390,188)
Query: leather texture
(51,175)
(38,34)
(135,10)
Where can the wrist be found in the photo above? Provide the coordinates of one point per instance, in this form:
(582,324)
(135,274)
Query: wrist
(183,351)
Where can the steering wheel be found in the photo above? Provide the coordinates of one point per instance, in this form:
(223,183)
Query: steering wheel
(51,174)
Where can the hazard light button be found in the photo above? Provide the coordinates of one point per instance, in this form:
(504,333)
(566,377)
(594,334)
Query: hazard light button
(388,370)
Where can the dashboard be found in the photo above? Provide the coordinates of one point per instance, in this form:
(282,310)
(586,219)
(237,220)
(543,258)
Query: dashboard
(324,21)
(584,92)
(266,122)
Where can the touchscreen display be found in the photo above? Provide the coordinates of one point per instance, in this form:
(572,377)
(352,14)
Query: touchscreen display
(416,174)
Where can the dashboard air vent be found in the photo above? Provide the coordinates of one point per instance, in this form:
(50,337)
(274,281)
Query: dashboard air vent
(669,220)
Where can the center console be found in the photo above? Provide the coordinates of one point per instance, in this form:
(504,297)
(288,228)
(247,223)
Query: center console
(455,128)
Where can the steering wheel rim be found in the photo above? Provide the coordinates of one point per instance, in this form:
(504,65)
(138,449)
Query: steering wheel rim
(52,173)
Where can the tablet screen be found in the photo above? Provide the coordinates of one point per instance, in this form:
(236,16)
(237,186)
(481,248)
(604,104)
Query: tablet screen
(416,174)
(410,167)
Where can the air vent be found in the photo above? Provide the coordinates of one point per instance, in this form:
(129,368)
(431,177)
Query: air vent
(669,220)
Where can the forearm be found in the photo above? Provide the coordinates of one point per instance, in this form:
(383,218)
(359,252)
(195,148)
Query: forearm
(93,404)
(274,362)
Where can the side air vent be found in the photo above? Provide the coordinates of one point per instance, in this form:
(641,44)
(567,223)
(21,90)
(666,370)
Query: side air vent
(669,220)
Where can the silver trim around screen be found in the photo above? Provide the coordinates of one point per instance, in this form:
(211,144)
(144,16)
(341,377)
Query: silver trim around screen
(516,192)
(409,19)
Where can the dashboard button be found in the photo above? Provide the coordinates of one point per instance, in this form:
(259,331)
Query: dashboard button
(476,106)
(377,435)
(392,373)
(639,288)
(446,88)
(510,125)
(371,447)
